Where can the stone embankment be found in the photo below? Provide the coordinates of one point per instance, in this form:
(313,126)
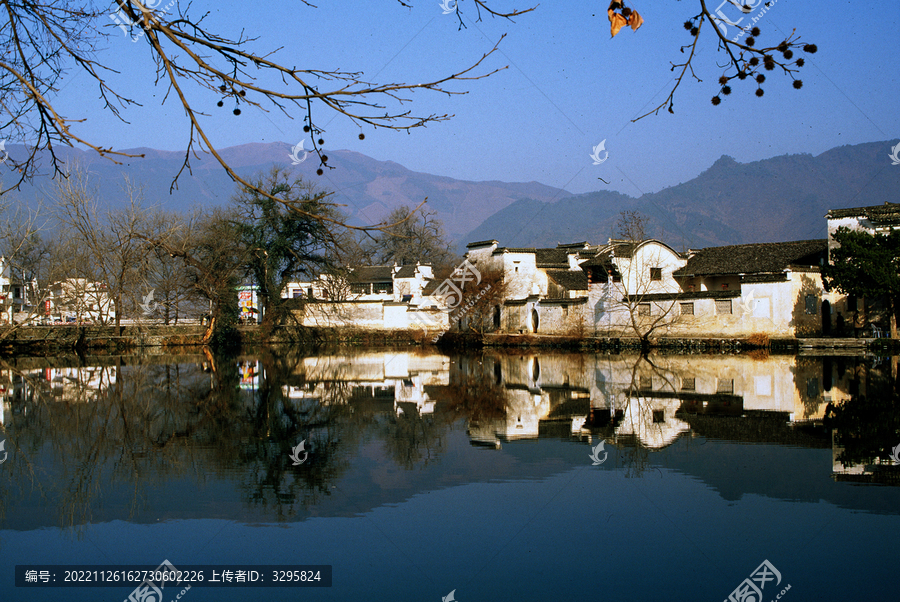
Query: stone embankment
(46,340)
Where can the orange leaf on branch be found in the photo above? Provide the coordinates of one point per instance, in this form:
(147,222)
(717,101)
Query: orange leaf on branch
(618,20)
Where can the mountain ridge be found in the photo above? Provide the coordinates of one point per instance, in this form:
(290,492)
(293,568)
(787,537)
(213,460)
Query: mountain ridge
(775,199)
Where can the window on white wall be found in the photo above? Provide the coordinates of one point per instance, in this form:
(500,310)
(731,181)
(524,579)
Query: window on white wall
(723,306)
(812,305)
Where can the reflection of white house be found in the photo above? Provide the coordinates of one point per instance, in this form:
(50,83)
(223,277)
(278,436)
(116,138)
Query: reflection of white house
(651,402)
(392,381)
(80,299)
(79,383)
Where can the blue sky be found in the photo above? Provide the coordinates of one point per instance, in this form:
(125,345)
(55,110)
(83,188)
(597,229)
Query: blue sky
(568,86)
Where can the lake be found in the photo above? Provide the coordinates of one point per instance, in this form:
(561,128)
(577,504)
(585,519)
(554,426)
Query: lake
(418,475)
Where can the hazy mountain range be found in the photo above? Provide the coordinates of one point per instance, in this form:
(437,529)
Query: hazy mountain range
(778,199)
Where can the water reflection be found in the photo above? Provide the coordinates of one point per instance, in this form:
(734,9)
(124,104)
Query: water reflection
(96,438)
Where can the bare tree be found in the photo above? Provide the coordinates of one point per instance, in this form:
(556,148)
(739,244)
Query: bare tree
(48,41)
(416,236)
(114,252)
(480,308)
(212,257)
(25,251)
(744,60)
(640,280)
(47,37)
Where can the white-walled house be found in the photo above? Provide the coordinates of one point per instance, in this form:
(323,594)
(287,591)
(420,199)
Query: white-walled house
(850,313)
(544,289)
(14,301)
(372,297)
(631,284)
(80,300)
(877,218)
(630,289)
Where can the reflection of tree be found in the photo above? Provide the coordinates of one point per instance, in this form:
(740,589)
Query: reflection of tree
(867,425)
(411,438)
(164,421)
(642,412)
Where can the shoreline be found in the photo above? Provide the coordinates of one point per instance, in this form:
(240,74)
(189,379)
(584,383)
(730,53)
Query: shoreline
(52,340)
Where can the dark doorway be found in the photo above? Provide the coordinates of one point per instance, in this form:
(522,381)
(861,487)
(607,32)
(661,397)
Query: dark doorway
(826,318)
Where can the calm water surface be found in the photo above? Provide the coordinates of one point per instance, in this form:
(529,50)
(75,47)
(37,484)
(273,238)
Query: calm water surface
(495,476)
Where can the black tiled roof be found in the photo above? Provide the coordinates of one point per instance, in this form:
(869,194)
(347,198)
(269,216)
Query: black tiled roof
(551,257)
(754,258)
(544,258)
(372,273)
(406,271)
(600,260)
(481,243)
(884,215)
(570,280)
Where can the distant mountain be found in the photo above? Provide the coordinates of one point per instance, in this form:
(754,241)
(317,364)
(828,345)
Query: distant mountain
(368,188)
(779,199)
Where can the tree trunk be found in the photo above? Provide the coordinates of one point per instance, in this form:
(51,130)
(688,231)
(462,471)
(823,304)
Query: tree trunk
(895,306)
(209,329)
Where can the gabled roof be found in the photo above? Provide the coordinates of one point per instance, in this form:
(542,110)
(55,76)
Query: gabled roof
(543,258)
(754,258)
(406,271)
(570,280)
(603,259)
(372,273)
(481,243)
(551,257)
(880,215)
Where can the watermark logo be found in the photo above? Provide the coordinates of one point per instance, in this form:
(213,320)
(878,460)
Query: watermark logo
(895,154)
(149,591)
(149,305)
(124,22)
(895,454)
(725,16)
(747,305)
(4,155)
(597,150)
(449,597)
(596,455)
(296,159)
(449,6)
(750,589)
(451,289)
(5,454)
(295,454)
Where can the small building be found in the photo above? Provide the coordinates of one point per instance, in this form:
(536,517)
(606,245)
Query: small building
(544,289)
(381,297)
(877,218)
(79,300)
(852,314)
(15,304)
(765,288)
